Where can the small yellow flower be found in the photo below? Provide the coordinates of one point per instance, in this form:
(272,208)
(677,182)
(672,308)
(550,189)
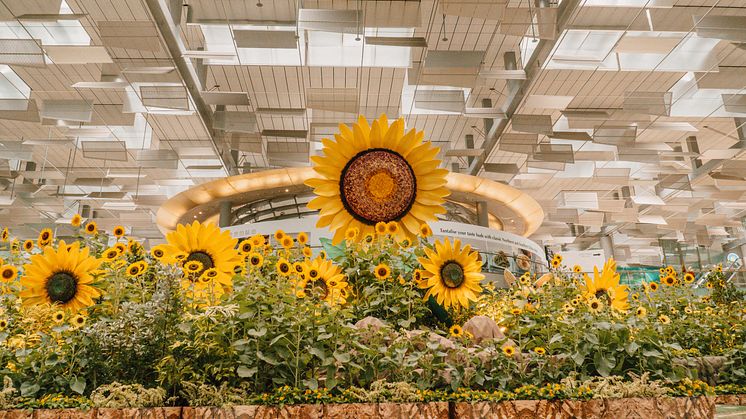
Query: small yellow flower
(351,233)
(299,268)
(256,260)
(307,252)
(257,240)
(28,245)
(58,316)
(134,270)
(78,321)
(595,306)
(577,269)
(279,234)
(8,273)
(641,312)
(245,246)
(425,230)
(508,350)
(45,238)
(91,228)
(515,311)
(3,324)
(76,220)
(283,267)
(380,228)
(110,254)
(300,294)
(118,232)
(158,252)
(287,242)
(688,278)
(456,331)
(653,286)
(664,319)
(392,228)
(193,266)
(302,238)
(540,351)
(382,271)
(669,280)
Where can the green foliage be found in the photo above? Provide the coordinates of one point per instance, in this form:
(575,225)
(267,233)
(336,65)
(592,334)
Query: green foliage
(119,396)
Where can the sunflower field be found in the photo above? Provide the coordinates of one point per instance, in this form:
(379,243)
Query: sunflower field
(208,320)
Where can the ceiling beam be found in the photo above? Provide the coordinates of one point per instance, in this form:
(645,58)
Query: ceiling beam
(516,95)
(170,35)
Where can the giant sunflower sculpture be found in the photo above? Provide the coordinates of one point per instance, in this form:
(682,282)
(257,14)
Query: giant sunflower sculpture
(206,244)
(451,274)
(605,287)
(377,173)
(61,276)
(323,280)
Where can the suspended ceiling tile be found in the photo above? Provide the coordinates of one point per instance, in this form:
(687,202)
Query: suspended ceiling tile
(77,54)
(245,38)
(67,110)
(138,35)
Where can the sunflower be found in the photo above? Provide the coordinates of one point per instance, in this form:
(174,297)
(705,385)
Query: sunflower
(540,351)
(158,252)
(606,286)
(451,274)
(299,268)
(257,240)
(76,220)
(193,267)
(719,269)
(392,228)
(380,228)
(668,280)
(245,247)
(143,266)
(425,230)
(3,324)
(689,277)
(329,285)
(279,234)
(133,270)
(595,305)
(653,286)
(58,316)
(688,310)
(641,312)
(382,272)
(91,228)
(663,319)
(256,260)
(456,331)
(78,321)
(307,252)
(568,308)
(61,276)
(28,245)
(302,238)
(577,269)
(509,350)
(351,234)
(45,238)
(377,173)
(556,261)
(207,244)
(8,273)
(118,232)
(283,267)
(287,242)
(110,254)
(4,235)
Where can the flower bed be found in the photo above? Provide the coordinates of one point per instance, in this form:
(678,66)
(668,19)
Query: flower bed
(649,408)
(383,314)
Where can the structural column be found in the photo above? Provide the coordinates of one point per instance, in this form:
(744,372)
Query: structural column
(226,214)
(607,244)
(483,218)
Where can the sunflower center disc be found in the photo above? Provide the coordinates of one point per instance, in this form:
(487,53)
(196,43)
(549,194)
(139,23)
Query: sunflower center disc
(61,287)
(203,258)
(7,274)
(377,185)
(452,274)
